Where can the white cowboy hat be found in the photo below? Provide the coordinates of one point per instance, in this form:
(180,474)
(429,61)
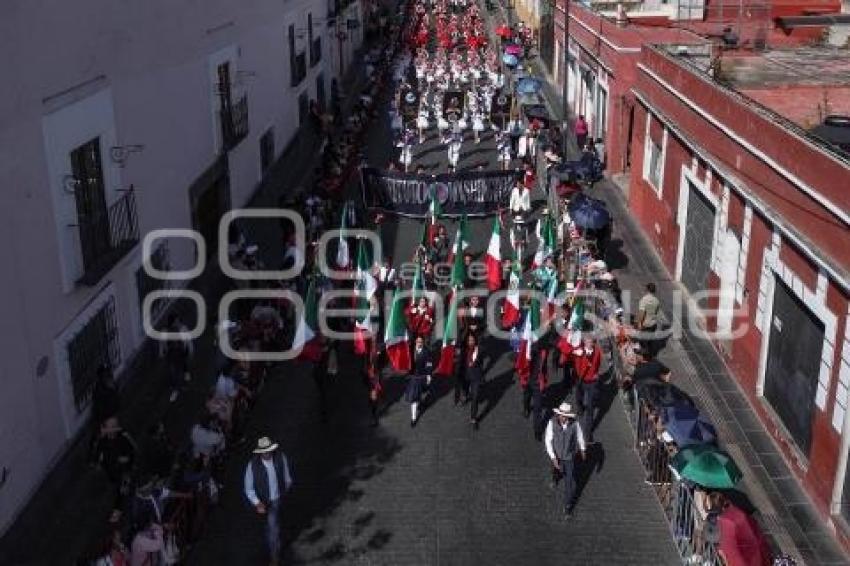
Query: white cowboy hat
(564,410)
(264,445)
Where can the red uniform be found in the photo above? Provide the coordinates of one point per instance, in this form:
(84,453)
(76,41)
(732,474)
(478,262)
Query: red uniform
(420,321)
(587,364)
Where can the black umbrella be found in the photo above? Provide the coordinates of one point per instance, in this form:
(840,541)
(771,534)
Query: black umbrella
(663,394)
(590,215)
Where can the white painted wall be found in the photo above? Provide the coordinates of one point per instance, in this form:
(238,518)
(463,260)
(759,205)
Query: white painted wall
(132,73)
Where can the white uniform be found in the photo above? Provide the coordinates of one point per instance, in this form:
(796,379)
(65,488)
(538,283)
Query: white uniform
(422,120)
(454,152)
(478,122)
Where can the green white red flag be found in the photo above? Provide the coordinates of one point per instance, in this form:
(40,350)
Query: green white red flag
(365,287)
(395,336)
(446,365)
(494,258)
(511,308)
(529,337)
(307,338)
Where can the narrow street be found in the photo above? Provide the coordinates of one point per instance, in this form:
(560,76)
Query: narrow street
(440,493)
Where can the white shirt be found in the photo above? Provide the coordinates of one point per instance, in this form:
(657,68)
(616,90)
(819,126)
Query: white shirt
(226,387)
(550,433)
(520,200)
(274,489)
(206,441)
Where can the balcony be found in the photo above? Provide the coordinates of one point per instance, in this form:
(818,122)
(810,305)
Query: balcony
(234,123)
(299,68)
(106,237)
(316,52)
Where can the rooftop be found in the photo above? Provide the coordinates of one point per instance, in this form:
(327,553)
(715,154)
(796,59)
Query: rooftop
(801,66)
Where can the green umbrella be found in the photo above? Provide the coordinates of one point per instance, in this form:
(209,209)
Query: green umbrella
(707,466)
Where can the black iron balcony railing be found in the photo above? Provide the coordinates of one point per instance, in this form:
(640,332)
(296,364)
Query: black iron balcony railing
(299,69)
(234,122)
(316,52)
(107,236)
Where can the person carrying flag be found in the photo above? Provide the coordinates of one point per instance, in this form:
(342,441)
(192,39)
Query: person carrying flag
(418,379)
(473,375)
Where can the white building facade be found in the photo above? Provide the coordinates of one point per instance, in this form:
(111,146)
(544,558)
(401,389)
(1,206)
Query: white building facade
(122,119)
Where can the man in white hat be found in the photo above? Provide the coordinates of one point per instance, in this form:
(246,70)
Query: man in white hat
(267,479)
(563,439)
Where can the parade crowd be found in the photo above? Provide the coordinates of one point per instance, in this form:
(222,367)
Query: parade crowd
(553,296)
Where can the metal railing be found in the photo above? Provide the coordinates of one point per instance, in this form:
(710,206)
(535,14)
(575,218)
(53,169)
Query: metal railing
(694,537)
(107,236)
(234,122)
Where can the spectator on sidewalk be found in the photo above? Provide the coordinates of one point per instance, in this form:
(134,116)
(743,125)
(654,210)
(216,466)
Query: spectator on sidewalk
(147,544)
(177,354)
(105,399)
(207,438)
(267,480)
(649,308)
(581,131)
(157,452)
(115,453)
(564,439)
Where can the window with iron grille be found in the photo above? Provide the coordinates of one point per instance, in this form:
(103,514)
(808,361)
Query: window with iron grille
(233,113)
(297,61)
(161,261)
(95,345)
(106,233)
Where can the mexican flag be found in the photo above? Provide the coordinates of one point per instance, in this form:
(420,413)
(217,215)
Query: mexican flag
(551,290)
(458,273)
(446,366)
(307,338)
(529,337)
(461,241)
(494,258)
(545,240)
(577,315)
(343,258)
(510,310)
(365,287)
(395,337)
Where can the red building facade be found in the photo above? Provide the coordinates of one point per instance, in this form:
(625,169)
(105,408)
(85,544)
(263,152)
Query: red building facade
(742,203)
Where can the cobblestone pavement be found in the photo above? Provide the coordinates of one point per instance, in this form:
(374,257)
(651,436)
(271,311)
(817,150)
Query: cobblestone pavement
(440,493)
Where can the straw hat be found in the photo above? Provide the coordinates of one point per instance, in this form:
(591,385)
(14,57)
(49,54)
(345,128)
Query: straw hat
(265,445)
(564,410)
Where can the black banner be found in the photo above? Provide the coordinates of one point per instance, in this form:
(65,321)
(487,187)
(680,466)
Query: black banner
(502,103)
(453,105)
(474,193)
(409,104)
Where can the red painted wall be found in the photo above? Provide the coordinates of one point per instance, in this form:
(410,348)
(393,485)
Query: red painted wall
(826,232)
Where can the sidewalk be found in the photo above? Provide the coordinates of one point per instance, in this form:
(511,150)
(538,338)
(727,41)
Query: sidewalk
(784,511)
(69,511)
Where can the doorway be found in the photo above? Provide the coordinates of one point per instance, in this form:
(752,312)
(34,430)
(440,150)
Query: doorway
(793,364)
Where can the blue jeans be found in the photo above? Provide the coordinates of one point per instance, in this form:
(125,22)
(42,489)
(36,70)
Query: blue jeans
(273,528)
(586,396)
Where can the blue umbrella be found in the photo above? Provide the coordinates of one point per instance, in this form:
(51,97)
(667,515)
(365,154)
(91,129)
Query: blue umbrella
(590,216)
(529,85)
(510,60)
(687,426)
